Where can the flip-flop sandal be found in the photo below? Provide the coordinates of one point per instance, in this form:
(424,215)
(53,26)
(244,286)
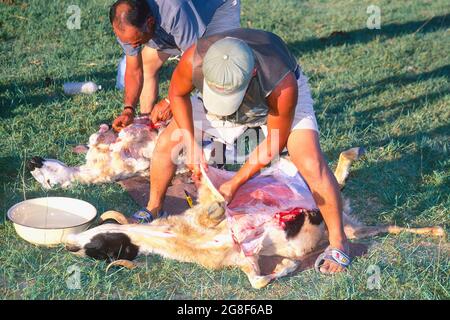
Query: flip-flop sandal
(143,215)
(334,255)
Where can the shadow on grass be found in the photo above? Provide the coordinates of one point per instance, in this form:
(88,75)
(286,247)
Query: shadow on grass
(9,166)
(364,35)
(395,182)
(383,113)
(387,185)
(48,90)
(368,89)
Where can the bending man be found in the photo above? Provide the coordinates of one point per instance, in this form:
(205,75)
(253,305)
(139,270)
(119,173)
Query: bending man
(248,77)
(151,31)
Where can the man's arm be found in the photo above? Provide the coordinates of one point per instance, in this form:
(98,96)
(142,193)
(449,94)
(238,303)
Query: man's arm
(282,102)
(132,92)
(133,80)
(152,61)
(180,103)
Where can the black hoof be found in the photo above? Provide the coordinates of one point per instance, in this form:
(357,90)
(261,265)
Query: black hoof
(35,162)
(361,152)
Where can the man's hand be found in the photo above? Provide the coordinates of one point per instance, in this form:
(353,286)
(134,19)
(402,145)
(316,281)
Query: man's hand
(228,189)
(126,118)
(195,159)
(161,111)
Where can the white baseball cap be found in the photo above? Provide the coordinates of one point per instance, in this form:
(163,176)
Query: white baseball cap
(227,69)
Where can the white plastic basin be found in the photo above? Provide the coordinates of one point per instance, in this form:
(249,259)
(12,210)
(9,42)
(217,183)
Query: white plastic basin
(48,221)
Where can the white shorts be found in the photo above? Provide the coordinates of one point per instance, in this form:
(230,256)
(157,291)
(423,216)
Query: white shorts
(227,132)
(304,112)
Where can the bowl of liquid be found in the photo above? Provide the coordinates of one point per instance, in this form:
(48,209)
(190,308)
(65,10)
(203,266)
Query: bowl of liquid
(48,221)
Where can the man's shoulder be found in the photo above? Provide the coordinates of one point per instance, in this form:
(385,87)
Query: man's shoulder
(167,6)
(171,7)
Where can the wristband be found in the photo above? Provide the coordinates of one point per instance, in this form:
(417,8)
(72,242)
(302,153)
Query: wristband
(129,107)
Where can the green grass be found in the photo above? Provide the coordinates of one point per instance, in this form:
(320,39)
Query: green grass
(387,90)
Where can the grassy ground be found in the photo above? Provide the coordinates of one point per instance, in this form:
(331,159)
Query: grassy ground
(387,90)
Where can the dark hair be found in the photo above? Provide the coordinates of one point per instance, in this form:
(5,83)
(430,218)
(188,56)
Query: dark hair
(136,15)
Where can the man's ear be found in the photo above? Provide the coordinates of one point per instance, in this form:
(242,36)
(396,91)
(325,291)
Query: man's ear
(254,72)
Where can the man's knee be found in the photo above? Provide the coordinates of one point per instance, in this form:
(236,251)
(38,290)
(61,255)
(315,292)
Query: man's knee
(165,143)
(170,141)
(151,70)
(152,61)
(311,167)
(305,153)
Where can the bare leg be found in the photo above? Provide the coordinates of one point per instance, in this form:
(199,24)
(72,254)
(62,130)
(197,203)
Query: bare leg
(305,153)
(162,167)
(152,61)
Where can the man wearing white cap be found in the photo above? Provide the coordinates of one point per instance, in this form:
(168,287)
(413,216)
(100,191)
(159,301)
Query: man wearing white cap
(249,77)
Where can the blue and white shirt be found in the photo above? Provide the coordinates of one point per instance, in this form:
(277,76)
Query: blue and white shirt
(178,24)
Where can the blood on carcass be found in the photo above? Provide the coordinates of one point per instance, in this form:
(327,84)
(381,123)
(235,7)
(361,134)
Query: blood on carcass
(274,195)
